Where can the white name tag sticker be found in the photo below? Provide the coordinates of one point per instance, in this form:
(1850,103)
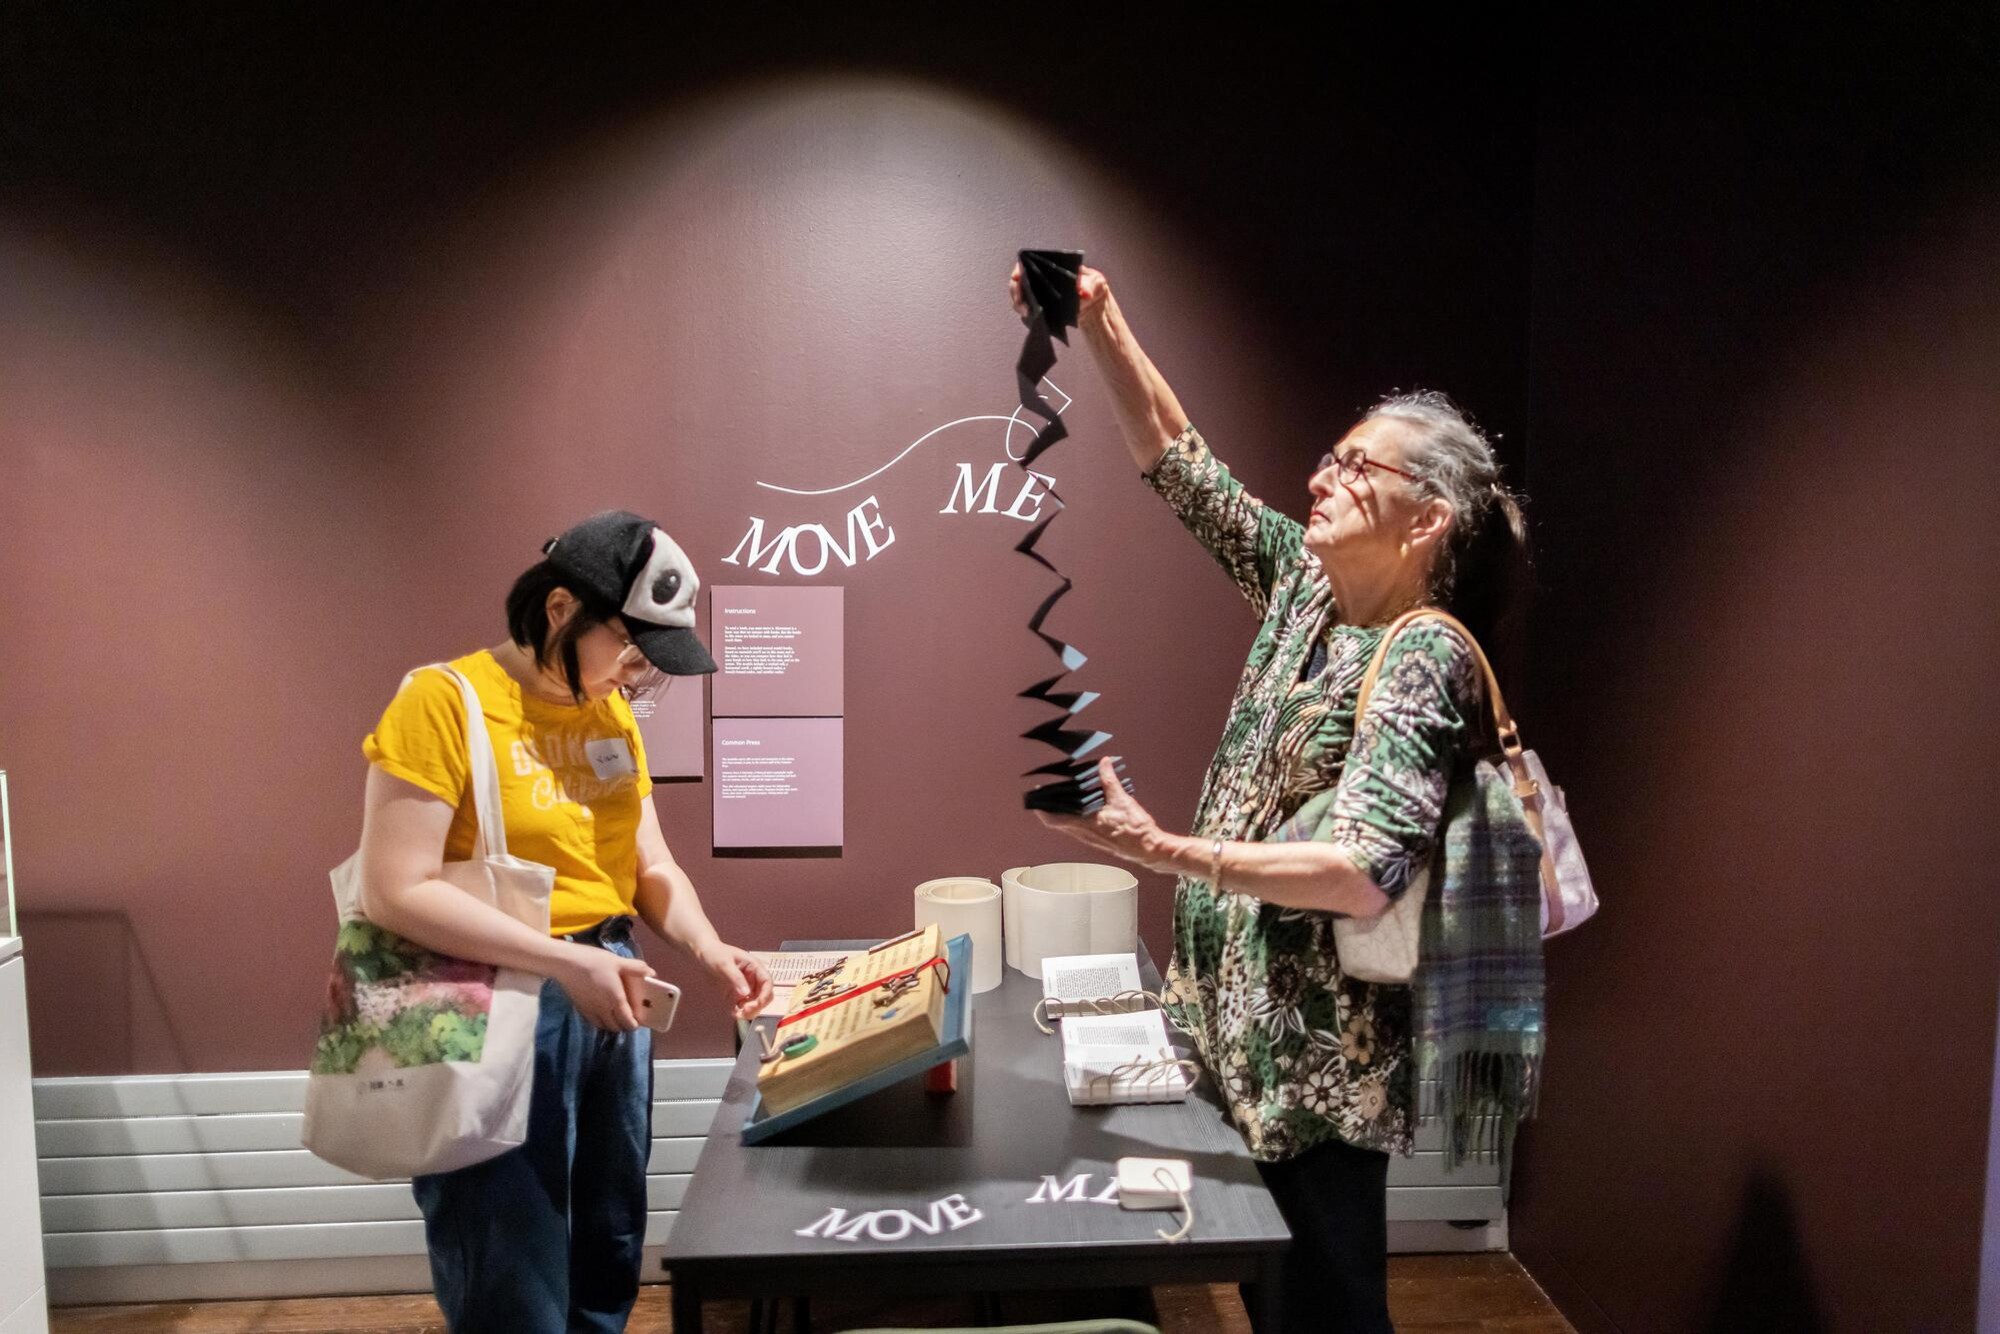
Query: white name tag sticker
(611,758)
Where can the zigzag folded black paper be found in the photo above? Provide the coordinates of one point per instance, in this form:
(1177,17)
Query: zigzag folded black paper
(1049,285)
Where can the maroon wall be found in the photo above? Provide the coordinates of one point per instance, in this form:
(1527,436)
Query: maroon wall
(1766,356)
(308,338)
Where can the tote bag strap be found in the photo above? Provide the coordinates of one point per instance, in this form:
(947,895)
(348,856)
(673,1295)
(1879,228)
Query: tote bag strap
(1503,721)
(1504,727)
(485,776)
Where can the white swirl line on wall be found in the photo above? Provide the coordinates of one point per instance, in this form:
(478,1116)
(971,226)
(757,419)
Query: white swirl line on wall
(1012,419)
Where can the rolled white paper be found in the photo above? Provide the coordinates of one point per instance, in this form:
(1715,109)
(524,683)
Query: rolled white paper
(967,906)
(1010,912)
(1074,908)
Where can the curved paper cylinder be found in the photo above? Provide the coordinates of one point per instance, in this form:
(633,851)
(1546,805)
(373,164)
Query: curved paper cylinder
(1010,912)
(1074,908)
(966,905)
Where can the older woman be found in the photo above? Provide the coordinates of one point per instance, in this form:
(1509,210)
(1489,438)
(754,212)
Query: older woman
(1317,1067)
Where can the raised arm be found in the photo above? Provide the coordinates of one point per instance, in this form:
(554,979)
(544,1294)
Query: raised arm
(1148,413)
(1254,543)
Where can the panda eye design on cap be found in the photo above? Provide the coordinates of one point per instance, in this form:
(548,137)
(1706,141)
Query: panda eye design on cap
(664,593)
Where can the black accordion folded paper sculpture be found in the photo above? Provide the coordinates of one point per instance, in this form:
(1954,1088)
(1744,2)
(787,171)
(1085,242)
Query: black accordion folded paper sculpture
(1048,282)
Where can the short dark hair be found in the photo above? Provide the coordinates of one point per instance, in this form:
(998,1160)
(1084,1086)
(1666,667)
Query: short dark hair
(528,621)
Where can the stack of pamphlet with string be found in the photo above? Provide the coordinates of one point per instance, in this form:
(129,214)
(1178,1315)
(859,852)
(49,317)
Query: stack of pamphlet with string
(1122,1053)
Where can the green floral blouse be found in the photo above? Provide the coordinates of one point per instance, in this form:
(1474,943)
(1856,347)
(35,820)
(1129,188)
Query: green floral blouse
(1302,1052)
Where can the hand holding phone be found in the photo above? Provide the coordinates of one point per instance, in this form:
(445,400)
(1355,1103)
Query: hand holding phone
(653,1001)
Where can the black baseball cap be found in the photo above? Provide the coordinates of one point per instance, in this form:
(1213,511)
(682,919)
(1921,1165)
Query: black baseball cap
(628,563)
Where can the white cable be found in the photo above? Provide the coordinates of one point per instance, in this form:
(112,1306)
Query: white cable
(1166,1179)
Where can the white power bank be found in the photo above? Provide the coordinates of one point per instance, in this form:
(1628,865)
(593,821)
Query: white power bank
(1153,1183)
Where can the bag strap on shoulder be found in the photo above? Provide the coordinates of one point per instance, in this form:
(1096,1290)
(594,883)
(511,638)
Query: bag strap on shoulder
(485,776)
(1504,727)
(1503,722)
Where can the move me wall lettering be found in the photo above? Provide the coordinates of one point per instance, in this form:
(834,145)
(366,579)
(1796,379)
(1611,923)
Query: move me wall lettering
(862,533)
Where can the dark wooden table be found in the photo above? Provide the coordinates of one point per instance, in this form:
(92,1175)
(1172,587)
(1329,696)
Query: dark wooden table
(1002,1186)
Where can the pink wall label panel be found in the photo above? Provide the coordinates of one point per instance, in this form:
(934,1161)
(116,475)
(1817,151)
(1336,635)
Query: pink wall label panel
(670,724)
(779,650)
(778,783)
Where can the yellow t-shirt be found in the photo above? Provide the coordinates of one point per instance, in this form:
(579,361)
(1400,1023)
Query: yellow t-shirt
(568,803)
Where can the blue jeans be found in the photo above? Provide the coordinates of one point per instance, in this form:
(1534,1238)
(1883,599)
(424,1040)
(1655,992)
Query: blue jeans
(546,1238)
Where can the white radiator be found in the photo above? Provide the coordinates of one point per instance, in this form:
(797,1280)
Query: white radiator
(183,1187)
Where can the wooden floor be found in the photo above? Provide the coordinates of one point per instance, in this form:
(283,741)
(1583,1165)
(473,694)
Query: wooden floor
(1428,1294)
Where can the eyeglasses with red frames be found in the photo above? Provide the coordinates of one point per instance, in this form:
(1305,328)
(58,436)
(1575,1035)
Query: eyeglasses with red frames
(1354,463)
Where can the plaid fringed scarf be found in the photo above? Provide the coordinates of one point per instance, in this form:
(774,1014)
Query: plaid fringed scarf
(1477,1021)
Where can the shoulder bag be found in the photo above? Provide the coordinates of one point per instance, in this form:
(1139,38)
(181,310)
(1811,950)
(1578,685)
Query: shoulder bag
(425,1063)
(1385,948)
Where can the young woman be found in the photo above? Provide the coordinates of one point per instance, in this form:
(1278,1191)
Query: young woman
(547,1238)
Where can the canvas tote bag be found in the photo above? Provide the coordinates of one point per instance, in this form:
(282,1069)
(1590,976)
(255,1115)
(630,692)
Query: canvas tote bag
(425,1063)
(1384,949)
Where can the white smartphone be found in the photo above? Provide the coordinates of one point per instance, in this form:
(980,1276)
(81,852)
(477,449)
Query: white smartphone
(653,1001)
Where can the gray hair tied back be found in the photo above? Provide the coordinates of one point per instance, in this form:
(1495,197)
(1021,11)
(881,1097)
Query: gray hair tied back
(1482,568)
